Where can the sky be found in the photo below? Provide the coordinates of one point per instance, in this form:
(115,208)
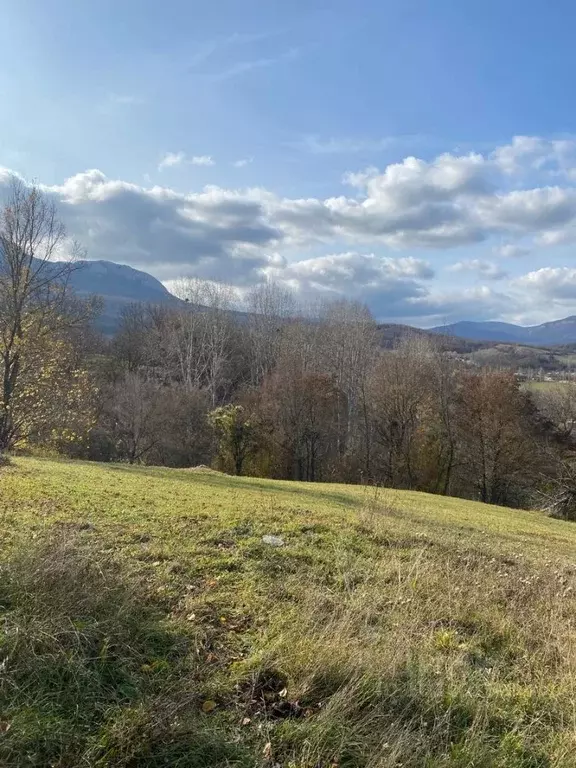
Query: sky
(417,156)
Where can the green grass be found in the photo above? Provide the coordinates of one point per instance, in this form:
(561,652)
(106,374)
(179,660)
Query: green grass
(145,623)
(545,386)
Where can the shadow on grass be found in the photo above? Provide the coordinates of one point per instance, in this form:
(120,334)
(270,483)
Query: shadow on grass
(92,672)
(229,482)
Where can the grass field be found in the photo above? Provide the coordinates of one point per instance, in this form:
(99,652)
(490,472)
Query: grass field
(146,623)
(546,386)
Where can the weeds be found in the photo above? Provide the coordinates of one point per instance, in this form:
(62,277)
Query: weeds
(152,627)
(91,672)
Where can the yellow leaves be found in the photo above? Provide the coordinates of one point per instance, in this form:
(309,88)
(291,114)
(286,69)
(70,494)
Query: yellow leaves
(53,398)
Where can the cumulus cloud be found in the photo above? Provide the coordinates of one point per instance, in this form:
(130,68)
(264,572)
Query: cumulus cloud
(339,271)
(243,235)
(446,202)
(513,157)
(477,303)
(485,269)
(216,234)
(527,154)
(243,162)
(384,283)
(551,283)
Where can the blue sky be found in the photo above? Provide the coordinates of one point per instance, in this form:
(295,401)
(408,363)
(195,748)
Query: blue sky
(418,156)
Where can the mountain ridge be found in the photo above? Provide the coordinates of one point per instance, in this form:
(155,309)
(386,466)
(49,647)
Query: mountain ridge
(561,331)
(120,285)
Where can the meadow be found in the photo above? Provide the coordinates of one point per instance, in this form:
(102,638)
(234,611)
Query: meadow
(146,621)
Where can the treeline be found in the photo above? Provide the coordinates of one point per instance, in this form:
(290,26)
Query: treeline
(313,396)
(273,390)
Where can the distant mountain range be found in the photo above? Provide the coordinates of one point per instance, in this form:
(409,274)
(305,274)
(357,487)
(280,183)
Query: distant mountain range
(547,334)
(120,285)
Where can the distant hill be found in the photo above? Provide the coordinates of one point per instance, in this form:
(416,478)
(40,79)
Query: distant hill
(118,285)
(554,332)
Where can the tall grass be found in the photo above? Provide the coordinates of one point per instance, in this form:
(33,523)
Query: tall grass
(380,635)
(91,673)
(426,659)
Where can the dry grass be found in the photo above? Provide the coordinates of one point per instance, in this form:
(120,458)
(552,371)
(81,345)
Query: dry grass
(150,626)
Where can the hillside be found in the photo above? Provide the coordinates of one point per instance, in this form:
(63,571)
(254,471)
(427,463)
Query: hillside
(118,285)
(145,622)
(561,331)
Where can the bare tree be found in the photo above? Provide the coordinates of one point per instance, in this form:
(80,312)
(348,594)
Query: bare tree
(270,306)
(441,429)
(557,402)
(33,286)
(201,336)
(497,437)
(133,411)
(399,390)
(131,343)
(349,352)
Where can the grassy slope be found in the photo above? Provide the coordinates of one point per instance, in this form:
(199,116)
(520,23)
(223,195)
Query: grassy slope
(393,628)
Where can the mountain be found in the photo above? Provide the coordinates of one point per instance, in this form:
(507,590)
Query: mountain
(118,285)
(554,332)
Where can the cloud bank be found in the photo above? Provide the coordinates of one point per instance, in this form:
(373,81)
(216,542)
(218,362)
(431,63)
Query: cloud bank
(511,201)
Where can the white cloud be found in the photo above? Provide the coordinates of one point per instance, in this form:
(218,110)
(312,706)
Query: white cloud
(523,150)
(477,303)
(446,202)
(201,160)
(216,234)
(384,283)
(529,154)
(557,236)
(551,283)
(171,159)
(243,162)
(486,269)
(528,210)
(511,250)
(242,235)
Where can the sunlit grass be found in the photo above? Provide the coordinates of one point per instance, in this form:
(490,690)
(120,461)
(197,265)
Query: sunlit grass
(392,628)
